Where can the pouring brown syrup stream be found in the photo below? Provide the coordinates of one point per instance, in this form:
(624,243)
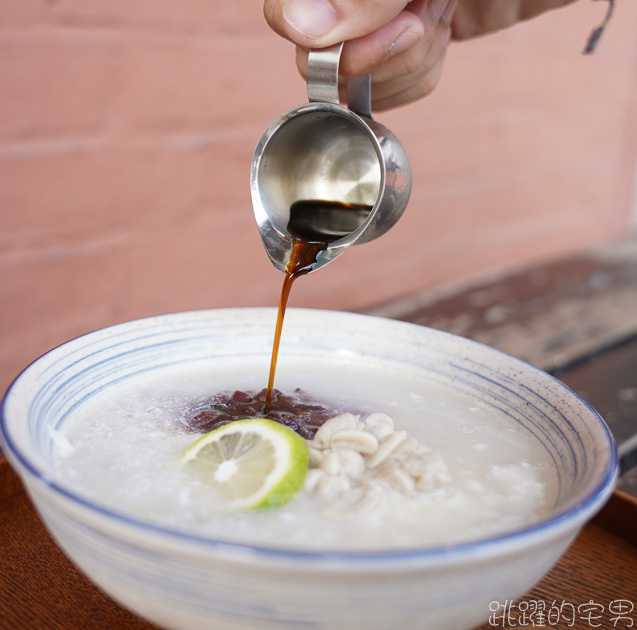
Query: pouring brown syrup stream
(313,225)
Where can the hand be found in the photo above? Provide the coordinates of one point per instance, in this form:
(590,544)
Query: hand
(402,43)
(480,17)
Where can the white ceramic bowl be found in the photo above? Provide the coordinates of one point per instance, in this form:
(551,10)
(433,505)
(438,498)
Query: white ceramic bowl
(180,580)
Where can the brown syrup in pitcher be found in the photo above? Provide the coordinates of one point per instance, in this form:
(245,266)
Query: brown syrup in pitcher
(313,225)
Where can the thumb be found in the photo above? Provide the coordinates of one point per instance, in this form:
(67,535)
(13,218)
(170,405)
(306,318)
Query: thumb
(320,23)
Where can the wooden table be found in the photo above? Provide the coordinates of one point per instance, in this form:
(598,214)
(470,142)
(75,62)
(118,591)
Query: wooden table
(576,318)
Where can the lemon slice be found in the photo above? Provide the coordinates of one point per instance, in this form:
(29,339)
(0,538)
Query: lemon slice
(251,464)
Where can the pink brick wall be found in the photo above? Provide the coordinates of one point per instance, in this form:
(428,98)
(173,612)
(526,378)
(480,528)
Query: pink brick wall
(127,129)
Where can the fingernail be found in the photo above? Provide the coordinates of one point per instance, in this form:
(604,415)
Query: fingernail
(311,18)
(405,40)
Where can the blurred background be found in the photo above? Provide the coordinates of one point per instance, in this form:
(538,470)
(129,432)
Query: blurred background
(127,130)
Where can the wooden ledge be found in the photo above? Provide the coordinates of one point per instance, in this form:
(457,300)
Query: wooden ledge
(550,315)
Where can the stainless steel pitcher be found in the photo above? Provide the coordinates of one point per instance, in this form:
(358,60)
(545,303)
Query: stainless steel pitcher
(322,151)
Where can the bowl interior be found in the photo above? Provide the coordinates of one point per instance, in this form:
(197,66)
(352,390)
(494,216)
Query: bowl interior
(572,438)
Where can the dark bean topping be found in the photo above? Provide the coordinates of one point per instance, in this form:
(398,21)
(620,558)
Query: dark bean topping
(298,410)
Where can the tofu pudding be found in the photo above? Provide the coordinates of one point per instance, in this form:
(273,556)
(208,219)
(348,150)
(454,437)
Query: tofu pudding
(414,464)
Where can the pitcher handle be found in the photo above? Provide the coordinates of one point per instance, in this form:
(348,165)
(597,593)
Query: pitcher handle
(322,81)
